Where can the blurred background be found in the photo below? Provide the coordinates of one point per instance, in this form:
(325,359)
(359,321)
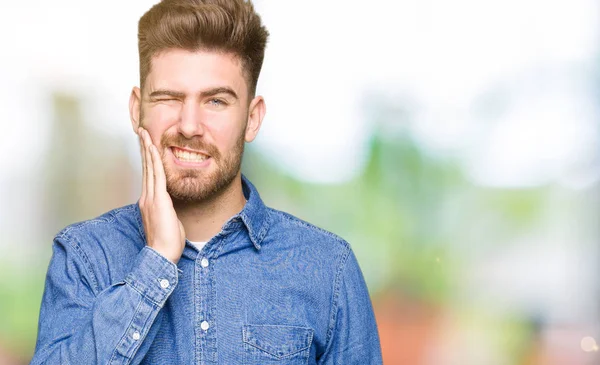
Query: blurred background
(454,144)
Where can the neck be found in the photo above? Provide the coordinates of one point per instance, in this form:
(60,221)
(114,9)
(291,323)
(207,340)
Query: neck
(204,219)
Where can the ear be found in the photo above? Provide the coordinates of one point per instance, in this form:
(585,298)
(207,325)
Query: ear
(256,113)
(135,102)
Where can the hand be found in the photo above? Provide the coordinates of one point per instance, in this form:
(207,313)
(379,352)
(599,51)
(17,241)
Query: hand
(164,231)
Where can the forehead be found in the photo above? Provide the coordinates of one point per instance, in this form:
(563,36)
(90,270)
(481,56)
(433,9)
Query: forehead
(194,71)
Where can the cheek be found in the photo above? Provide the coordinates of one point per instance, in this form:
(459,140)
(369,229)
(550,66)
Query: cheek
(158,120)
(225,128)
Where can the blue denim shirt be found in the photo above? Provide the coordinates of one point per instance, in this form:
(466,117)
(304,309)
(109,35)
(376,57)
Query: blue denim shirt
(268,289)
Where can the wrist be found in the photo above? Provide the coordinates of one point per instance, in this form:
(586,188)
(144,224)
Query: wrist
(173,257)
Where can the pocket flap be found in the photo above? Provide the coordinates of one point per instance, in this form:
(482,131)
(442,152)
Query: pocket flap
(278,341)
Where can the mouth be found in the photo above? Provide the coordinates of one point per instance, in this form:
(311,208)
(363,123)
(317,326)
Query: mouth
(188,156)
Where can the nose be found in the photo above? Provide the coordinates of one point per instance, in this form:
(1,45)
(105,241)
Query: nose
(190,121)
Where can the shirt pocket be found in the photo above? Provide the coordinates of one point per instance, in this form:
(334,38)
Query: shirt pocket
(276,345)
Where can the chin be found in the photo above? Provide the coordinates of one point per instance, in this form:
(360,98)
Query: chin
(198,188)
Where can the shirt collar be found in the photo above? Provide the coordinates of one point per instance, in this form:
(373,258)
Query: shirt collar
(255,214)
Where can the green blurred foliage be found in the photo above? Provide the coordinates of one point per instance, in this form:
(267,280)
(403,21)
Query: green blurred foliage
(21,290)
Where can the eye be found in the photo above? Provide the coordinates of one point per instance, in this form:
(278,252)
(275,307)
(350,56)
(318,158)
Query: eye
(217,102)
(167,101)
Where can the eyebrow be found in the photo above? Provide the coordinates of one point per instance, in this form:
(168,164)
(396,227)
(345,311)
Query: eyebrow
(206,93)
(175,94)
(218,90)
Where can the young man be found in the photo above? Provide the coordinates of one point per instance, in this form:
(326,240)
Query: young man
(200,271)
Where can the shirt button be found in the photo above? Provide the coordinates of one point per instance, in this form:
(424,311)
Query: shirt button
(204,325)
(204,262)
(136,336)
(164,283)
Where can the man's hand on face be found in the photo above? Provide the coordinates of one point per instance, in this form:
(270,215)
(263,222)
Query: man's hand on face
(164,231)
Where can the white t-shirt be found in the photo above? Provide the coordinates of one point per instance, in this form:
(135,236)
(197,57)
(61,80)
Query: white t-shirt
(200,245)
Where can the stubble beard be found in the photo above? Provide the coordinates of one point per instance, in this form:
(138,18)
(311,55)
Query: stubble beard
(191,185)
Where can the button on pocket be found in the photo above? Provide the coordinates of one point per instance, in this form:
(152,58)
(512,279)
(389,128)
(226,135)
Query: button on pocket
(276,345)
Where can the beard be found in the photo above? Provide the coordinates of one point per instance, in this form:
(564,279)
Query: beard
(193,185)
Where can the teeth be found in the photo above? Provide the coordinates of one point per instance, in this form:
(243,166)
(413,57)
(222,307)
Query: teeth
(189,156)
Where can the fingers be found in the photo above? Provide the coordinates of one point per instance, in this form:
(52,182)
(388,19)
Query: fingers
(154,178)
(144,170)
(149,165)
(160,182)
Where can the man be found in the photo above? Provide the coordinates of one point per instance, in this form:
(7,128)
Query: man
(200,271)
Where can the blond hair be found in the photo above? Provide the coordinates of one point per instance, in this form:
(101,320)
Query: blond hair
(228,26)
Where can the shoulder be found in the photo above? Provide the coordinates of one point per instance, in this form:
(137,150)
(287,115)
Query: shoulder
(292,227)
(116,232)
(104,245)
(121,219)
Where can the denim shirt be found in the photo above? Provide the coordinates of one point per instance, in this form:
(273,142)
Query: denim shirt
(268,289)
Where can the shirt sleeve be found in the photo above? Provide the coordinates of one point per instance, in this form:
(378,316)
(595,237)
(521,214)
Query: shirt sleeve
(79,324)
(353,336)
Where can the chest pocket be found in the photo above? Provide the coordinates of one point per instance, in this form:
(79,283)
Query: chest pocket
(276,345)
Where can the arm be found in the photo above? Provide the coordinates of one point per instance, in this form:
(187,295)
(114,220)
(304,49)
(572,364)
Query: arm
(79,324)
(83,324)
(352,334)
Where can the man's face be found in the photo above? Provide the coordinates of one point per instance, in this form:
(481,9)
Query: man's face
(195,107)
